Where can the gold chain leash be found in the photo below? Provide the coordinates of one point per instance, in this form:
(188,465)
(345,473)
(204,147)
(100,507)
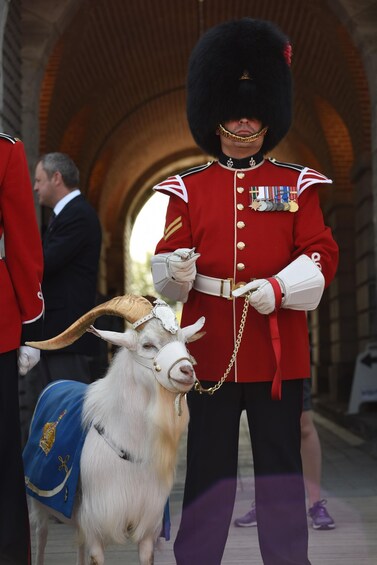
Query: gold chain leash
(197,386)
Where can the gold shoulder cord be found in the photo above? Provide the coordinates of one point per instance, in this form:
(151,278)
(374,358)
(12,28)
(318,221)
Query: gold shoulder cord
(197,386)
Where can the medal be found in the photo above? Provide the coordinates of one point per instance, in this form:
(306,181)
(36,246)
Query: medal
(293,206)
(262,206)
(273,198)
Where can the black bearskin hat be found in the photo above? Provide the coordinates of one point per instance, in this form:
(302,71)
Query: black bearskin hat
(216,93)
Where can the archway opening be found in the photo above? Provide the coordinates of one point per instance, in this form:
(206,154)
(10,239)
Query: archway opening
(146,232)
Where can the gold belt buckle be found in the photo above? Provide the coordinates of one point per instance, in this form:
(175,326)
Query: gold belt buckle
(222,295)
(232,287)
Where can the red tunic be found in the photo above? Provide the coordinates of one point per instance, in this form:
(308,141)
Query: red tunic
(21,301)
(210,210)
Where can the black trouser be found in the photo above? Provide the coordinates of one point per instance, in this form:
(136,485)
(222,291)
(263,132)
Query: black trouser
(14,521)
(211,480)
(67,366)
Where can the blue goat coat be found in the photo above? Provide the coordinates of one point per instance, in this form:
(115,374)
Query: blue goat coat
(52,453)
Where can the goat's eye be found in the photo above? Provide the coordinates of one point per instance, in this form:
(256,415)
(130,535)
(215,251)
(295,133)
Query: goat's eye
(148,346)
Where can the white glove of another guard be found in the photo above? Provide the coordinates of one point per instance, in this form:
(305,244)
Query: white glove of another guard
(28,357)
(182,264)
(262,296)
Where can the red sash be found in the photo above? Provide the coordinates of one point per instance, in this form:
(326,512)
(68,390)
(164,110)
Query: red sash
(275,338)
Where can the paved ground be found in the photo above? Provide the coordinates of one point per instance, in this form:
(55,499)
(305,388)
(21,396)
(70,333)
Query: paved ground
(349,485)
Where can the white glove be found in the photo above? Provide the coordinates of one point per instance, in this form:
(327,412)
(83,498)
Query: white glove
(182,264)
(27,358)
(301,283)
(174,273)
(262,296)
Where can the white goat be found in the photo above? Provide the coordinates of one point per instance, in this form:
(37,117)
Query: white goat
(134,418)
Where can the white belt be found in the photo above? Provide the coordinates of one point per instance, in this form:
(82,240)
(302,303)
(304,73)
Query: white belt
(216,287)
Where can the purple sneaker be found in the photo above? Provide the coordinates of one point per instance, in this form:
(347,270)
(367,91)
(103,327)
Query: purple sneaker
(250,519)
(321,519)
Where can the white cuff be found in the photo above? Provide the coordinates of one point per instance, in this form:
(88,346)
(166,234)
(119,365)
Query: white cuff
(302,283)
(164,282)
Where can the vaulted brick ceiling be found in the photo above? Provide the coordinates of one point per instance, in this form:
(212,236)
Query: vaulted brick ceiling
(113,93)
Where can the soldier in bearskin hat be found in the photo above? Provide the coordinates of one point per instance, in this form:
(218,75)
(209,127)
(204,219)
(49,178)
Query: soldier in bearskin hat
(246,246)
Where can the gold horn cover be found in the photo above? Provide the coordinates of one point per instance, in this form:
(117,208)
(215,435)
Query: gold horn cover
(129,306)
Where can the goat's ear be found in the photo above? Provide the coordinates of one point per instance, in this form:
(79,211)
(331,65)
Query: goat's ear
(190,331)
(195,337)
(127,339)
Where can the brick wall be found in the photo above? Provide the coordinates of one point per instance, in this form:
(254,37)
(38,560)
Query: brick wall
(11,67)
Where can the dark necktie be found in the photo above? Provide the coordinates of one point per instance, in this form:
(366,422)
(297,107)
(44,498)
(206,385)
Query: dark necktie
(51,220)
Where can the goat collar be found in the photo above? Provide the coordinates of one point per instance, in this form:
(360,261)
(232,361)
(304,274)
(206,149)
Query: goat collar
(122,453)
(164,314)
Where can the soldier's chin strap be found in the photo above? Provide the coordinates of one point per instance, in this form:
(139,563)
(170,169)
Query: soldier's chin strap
(275,339)
(242,138)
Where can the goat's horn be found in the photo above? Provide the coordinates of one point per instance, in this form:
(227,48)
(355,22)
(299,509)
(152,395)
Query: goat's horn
(129,307)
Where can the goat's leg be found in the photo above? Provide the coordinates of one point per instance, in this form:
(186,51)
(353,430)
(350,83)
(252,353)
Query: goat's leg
(146,551)
(81,554)
(96,554)
(41,532)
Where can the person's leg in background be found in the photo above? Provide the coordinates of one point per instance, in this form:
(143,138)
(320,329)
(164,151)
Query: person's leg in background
(311,454)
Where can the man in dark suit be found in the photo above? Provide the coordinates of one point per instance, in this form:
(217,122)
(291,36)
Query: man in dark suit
(71,248)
